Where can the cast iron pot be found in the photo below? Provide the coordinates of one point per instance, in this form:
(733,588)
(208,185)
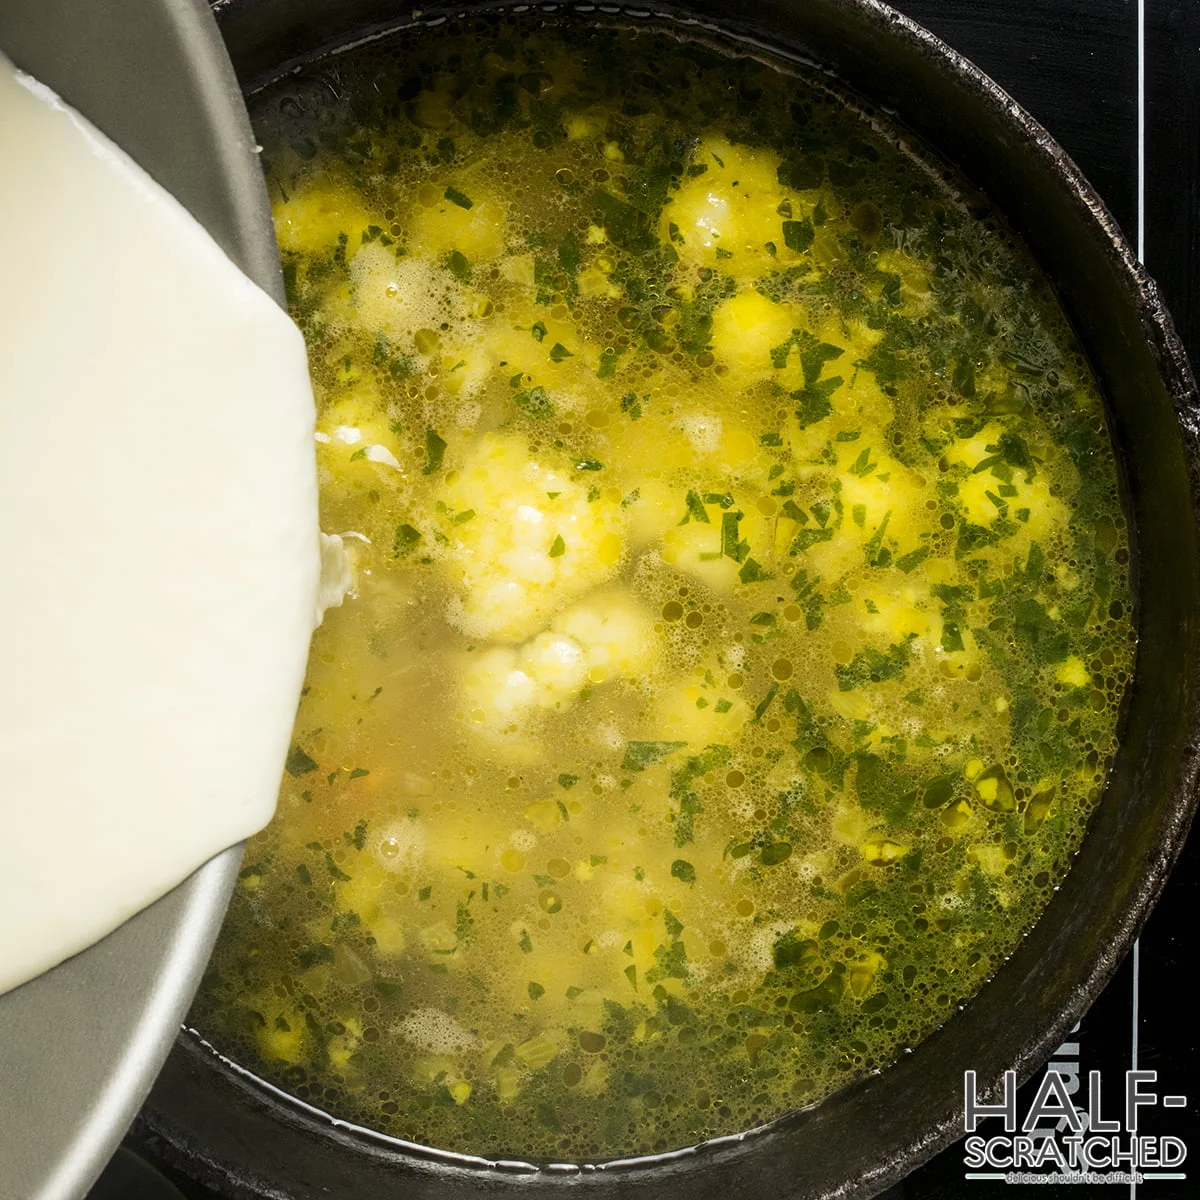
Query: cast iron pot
(227,1130)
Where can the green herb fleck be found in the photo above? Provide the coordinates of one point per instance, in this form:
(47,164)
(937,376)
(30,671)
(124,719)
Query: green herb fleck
(406,538)
(695,509)
(640,755)
(683,870)
(435,451)
(299,763)
(536,402)
(798,235)
(753,572)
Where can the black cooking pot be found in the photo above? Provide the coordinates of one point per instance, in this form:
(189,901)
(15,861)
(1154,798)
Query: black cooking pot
(245,1139)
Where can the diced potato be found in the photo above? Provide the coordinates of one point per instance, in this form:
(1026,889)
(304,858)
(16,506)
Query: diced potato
(317,213)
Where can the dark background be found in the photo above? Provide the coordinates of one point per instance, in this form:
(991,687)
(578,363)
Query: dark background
(1074,64)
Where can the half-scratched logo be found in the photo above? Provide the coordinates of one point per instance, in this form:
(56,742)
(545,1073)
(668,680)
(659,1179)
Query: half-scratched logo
(1055,1140)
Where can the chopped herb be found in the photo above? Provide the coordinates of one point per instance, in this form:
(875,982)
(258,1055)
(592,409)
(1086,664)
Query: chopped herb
(695,509)
(862,465)
(753,572)
(731,545)
(344,922)
(536,991)
(314,956)
(334,870)
(631,406)
(951,637)
(588,464)
(536,402)
(558,352)
(798,235)
(814,359)
(640,755)
(972,538)
(525,942)
(358,773)
(683,870)
(456,197)
(608,362)
(568,781)
(538,329)
(570,253)
(874,666)
(435,451)
(775,853)
(558,547)
(911,560)
(814,401)
(406,538)
(765,702)
(459,266)
(299,763)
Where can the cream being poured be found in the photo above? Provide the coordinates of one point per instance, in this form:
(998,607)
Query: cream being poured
(161,558)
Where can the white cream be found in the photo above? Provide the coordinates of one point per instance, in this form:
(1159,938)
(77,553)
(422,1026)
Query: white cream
(159,512)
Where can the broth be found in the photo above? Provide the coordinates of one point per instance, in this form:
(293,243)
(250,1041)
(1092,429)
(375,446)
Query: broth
(741,604)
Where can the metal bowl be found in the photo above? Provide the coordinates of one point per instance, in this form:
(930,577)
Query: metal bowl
(81,1044)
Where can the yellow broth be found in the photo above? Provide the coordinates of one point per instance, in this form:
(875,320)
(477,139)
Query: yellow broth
(741,605)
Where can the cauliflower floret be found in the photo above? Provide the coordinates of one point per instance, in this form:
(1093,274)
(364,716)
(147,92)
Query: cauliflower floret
(536,540)
(725,215)
(602,640)
(745,329)
(498,691)
(617,636)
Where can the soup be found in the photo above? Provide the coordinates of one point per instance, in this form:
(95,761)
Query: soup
(740,603)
